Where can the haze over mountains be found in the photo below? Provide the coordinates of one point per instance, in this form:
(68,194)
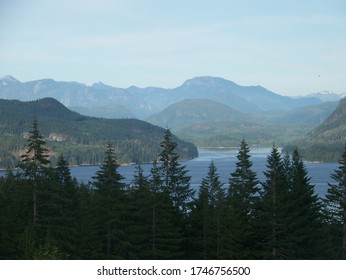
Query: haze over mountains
(106,101)
(207,111)
(326,142)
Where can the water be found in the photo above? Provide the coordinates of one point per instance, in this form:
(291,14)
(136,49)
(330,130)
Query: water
(225,161)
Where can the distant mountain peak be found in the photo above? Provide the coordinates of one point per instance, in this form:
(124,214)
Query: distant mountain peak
(326,95)
(8,79)
(100,85)
(52,105)
(149,100)
(206,81)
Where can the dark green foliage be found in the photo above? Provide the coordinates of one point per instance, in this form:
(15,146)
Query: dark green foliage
(110,210)
(336,205)
(152,216)
(243,197)
(81,139)
(35,164)
(16,218)
(88,244)
(208,237)
(173,175)
(166,237)
(63,216)
(291,213)
(157,216)
(141,217)
(306,236)
(35,160)
(274,208)
(200,220)
(173,183)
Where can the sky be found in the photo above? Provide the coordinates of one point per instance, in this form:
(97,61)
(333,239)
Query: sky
(289,47)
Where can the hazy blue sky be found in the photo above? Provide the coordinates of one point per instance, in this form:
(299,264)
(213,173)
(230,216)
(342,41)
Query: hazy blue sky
(290,47)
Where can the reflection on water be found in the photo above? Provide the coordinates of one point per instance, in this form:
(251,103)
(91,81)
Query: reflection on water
(225,161)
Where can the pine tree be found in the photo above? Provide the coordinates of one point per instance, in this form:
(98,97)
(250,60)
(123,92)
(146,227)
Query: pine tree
(15,217)
(57,232)
(243,196)
(111,208)
(165,236)
(273,216)
(35,163)
(201,220)
(336,203)
(89,245)
(175,183)
(64,211)
(304,226)
(140,196)
(174,176)
(218,208)
(208,218)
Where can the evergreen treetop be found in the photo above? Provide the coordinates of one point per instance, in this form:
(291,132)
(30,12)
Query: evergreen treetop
(35,160)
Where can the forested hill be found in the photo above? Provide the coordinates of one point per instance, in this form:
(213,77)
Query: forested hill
(81,139)
(335,123)
(326,141)
(198,111)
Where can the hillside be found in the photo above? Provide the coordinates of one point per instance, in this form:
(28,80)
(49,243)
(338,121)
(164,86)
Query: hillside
(81,139)
(229,134)
(208,123)
(195,111)
(326,141)
(112,111)
(307,115)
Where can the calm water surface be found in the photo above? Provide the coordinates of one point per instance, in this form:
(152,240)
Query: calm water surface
(225,162)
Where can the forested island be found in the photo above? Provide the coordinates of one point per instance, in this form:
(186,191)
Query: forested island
(47,214)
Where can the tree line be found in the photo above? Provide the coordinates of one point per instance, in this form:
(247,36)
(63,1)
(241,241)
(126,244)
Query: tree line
(81,139)
(46,214)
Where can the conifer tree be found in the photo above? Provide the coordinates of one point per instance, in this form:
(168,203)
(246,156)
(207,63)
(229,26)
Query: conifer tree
(111,208)
(15,218)
(174,176)
(175,183)
(64,213)
(336,203)
(35,163)
(57,220)
(218,208)
(304,226)
(141,202)
(208,218)
(243,196)
(88,244)
(201,220)
(274,210)
(165,236)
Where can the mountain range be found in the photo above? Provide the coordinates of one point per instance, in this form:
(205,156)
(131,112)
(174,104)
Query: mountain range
(107,101)
(208,111)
